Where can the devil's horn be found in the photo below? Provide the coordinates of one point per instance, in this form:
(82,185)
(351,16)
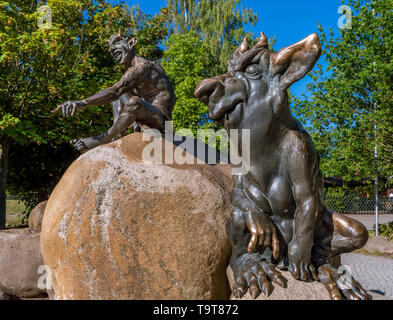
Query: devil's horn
(244,46)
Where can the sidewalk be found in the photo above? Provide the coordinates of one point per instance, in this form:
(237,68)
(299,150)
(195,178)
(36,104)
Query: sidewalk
(374,273)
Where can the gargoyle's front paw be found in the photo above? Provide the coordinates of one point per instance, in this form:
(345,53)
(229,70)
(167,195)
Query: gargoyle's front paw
(341,286)
(251,273)
(84,144)
(300,265)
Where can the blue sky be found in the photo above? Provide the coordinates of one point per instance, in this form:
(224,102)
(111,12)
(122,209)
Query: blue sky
(289,20)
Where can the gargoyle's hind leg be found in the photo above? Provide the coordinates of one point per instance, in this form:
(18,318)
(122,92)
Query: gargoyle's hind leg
(342,235)
(337,234)
(348,235)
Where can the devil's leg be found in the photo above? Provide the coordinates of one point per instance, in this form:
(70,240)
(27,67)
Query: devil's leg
(117,108)
(136,109)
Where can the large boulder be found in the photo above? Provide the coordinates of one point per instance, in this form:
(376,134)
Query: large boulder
(20,262)
(119,227)
(36,215)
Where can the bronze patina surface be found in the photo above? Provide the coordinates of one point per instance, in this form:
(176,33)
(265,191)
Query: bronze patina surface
(278,219)
(143,98)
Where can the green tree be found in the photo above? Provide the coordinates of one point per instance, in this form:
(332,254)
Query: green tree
(41,67)
(348,107)
(33,177)
(186,62)
(219,23)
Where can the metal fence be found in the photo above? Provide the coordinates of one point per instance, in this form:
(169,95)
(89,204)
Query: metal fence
(12,198)
(359,204)
(346,204)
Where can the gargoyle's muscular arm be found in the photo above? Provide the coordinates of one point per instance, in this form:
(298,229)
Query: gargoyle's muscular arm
(110,94)
(263,232)
(303,168)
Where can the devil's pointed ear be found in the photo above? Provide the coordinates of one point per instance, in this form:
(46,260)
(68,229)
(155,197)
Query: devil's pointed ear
(133,42)
(295,61)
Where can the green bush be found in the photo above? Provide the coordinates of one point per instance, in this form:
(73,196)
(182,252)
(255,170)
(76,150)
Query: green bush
(385,229)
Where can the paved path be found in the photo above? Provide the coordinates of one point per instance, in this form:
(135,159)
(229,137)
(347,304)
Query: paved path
(369,220)
(374,273)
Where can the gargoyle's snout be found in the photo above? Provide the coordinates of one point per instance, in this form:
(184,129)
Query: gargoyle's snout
(209,91)
(221,94)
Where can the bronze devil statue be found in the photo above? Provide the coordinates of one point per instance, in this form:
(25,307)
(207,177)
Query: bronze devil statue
(143,98)
(278,219)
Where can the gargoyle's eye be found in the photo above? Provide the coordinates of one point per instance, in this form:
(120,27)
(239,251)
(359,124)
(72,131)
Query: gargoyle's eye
(253,72)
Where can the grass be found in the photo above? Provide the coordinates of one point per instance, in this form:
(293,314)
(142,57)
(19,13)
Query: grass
(371,234)
(373,253)
(14,209)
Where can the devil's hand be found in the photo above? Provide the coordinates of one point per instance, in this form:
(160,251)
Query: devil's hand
(70,107)
(263,233)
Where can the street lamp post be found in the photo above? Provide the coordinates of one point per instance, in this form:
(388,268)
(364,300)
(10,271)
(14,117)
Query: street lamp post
(376,160)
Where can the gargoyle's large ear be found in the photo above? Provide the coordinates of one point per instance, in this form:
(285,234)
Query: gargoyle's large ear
(133,42)
(295,61)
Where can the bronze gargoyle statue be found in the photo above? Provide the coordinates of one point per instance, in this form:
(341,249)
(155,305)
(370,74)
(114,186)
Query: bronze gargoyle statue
(278,218)
(143,98)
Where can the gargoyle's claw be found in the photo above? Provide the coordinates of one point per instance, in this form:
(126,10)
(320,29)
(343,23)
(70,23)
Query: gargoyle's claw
(254,292)
(264,284)
(313,272)
(266,289)
(363,293)
(350,289)
(238,292)
(253,285)
(273,274)
(294,270)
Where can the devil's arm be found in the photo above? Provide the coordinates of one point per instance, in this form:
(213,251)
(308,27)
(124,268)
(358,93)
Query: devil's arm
(110,94)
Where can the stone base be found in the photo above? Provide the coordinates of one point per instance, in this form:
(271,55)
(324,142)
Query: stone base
(20,258)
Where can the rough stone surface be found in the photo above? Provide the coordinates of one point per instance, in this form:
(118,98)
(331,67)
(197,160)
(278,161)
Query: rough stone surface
(20,258)
(295,290)
(116,227)
(380,244)
(36,216)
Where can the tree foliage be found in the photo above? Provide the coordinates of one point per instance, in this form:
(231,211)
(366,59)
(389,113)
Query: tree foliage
(348,107)
(42,67)
(204,34)
(33,178)
(219,23)
(186,62)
